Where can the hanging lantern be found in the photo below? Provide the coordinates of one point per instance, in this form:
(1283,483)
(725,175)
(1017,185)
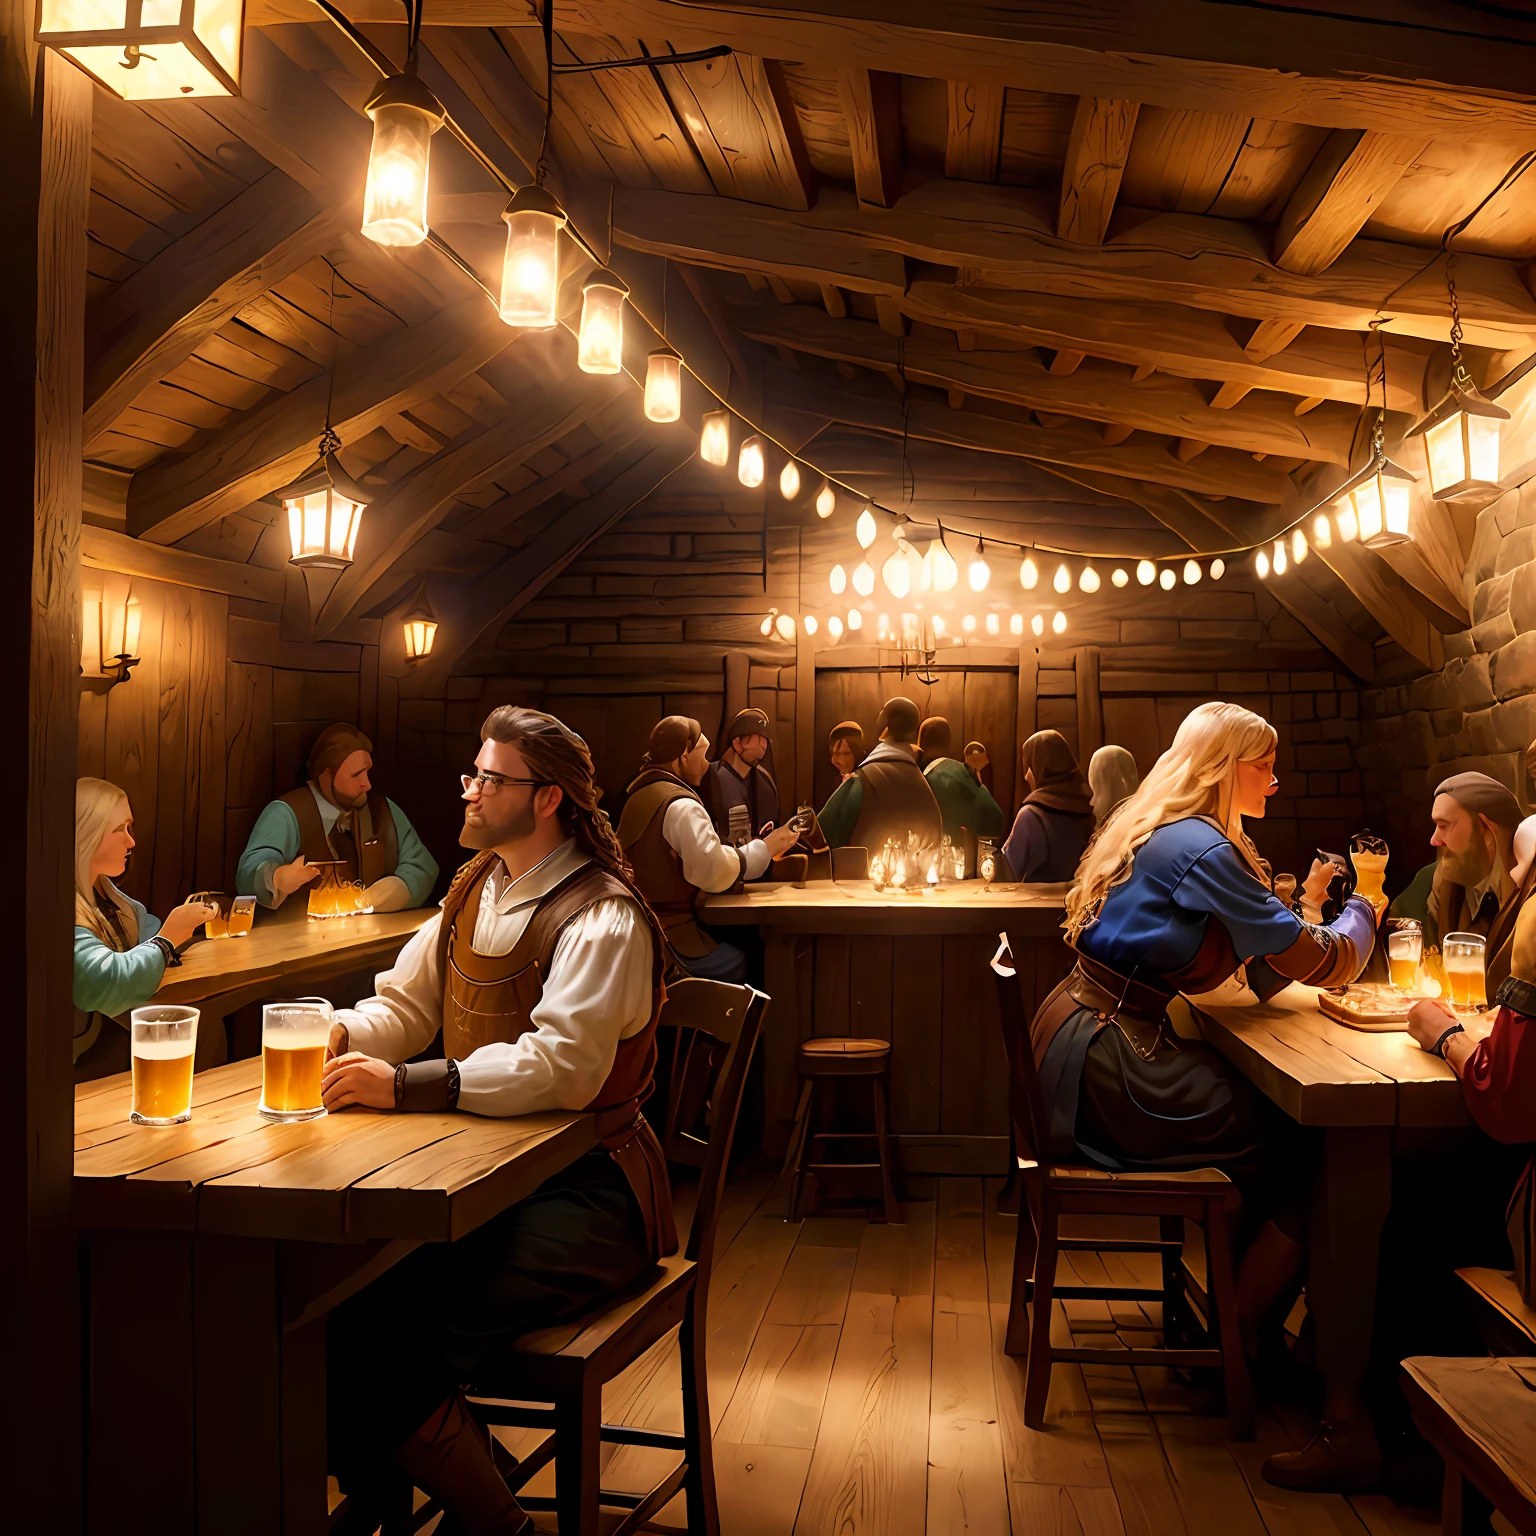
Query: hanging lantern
(157,50)
(715,437)
(838,581)
(1192,572)
(405,116)
(943,572)
(789,481)
(749,463)
(1345,521)
(1278,562)
(1119,577)
(663,385)
(1088,580)
(1029,574)
(785,626)
(978,573)
(1016,624)
(1218,568)
(600,343)
(855,619)
(325,510)
(1261,564)
(1146,572)
(835,628)
(897,575)
(864,578)
(1322,531)
(1037,624)
(1299,550)
(1059,624)
(1379,497)
(864,529)
(826,500)
(1062,580)
(1166,578)
(530,269)
(420,625)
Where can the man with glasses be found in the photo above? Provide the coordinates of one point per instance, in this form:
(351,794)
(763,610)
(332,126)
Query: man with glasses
(543,976)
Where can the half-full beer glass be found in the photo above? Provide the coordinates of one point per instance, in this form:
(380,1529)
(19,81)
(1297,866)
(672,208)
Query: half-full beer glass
(1464,970)
(1405,948)
(293,1041)
(163,1042)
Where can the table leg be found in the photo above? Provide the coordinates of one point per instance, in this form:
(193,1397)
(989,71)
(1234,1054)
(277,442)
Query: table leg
(1350,1199)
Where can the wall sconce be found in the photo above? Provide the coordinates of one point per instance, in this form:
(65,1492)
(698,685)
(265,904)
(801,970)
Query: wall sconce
(149,50)
(420,624)
(109,640)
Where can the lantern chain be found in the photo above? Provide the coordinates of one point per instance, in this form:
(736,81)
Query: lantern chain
(1459,379)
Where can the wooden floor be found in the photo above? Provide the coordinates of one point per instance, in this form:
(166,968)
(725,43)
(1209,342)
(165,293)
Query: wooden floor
(858,1387)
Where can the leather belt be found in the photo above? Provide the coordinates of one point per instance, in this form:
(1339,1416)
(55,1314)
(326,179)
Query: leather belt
(1137,1008)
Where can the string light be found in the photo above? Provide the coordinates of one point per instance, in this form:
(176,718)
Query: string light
(1166,579)
(1298,545)
(785,626)
(1062,580)
(979,573)
(939,626)
(749,463)
(1016,624)
(789,481)
(766,627)
(663,385)
(943,571)
(1119,576)
(1059,624)
(994,624)
(855,619)
(838,581)
(1322,531)
(897,574)
(864,578)
(715,438)
(968,623)
(826,500)
(810,623)
(600,342)
(835,628)
(1278,561)
(1192,572)
(405,115)
(1146,572)
(530,269)
(1029,574)
(1261,564)
(1037,624)
(1218,568)
(1088,579)
(864,529)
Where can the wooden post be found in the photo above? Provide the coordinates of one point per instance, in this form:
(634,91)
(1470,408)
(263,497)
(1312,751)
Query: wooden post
(45,124)
(1090,705)
(1027,714)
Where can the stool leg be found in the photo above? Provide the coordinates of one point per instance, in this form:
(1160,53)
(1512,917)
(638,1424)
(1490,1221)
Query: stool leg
(1016,1341)
(888,1193)
(801,1137)
(1037,1367)
(1170,1229)
(1221,1295)
(797,1131)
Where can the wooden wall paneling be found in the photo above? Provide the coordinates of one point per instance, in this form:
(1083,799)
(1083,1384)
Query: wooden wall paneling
(973,130)
(173,855)
(207,760)
(1058,713)
(132,760)
(91,749)
(832,1007)
(991,706)
(1131,722)
(1097,147)
(802,785)
(1026,718)
(917,989)
(1090,705)
(368,694)
(870,962)
(248,734)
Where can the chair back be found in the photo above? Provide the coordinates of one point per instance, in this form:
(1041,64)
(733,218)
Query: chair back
(718,1026)
(1026,1109)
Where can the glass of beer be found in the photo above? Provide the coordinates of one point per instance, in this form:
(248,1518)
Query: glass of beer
(293,1041)
(1369,856)
(242,913)
(217,926)
(1464,971)
(163,1042)
(1405,948)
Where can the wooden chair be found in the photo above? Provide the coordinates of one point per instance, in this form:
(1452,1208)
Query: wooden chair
(1480,1415)
(567,1366)
(1055,1190)
(1505,1322)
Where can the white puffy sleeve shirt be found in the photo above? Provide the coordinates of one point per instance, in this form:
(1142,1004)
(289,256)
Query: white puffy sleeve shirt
(707,862)
(597,993)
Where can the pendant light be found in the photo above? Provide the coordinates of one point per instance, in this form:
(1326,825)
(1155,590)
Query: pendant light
(1029,574)
(1192,572)
(1261,564)
(1120,576)
(864,578)
(1146,572)
(600,343)
(897,574)
(325,510)
(978,573)
(785,626)
(1322,531)
(1166,578)
(749,463)
(1374,502)
(943,571)
(530,269)
(157,50)
(405,115)
(789,480)
(715,438)
(1037,624)
(663,385)
(1299,548)
(1461,434)
(864,530)
(1062,580)
(855,619)
(1016,624)
(826,500)
(420,625)
(1059,624)
(1088,579)
(1218,568)
(838,581)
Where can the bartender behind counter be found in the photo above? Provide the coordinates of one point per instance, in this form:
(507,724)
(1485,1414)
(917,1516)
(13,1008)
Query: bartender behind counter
(337,816)
(886,795)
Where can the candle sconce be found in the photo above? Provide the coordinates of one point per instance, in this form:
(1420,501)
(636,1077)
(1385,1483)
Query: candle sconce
(109,641)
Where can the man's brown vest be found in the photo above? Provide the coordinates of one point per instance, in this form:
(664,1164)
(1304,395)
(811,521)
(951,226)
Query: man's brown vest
(369,851)
(657,864)
(896,800)
(491,998)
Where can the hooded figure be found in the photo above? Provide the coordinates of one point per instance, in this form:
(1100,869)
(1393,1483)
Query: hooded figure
(886,795)
(969,811)
(1112,776)
(1056,820)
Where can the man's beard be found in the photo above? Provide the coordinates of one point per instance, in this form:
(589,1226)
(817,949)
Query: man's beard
(496,832)
(1468,869)
(348,802)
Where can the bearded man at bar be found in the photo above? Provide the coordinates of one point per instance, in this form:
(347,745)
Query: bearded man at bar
(337,817)
(543,974)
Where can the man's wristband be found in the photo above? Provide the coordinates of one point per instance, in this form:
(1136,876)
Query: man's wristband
(1438,1048)
(427,1085)
(166,948)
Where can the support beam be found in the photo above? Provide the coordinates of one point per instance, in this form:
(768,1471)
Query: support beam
(871,104)
(158,318)
(1096,153)
(103,550)
(1272,336)
(1351,175)
(1065,362)
(1301,599)
(265,448)
(1175,510)
(1096,391)
(973,130)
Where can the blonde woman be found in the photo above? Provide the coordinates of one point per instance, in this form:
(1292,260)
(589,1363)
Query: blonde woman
(1172,897)
(121,950)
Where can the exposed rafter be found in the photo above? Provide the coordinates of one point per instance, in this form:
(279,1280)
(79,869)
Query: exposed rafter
(1090,180)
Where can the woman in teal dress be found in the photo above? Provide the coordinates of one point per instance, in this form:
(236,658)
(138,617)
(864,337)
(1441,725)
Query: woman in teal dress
(121,949)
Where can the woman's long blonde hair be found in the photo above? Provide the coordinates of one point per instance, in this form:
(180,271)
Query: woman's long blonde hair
(1194,777)
(98,805)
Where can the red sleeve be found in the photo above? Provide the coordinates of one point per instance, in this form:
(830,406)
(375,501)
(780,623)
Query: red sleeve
(1499,1079)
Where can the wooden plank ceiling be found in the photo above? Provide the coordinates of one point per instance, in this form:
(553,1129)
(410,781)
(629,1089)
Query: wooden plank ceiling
(1002,265)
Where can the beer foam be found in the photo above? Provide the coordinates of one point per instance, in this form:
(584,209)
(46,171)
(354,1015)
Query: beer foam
(163,1050)
(296,1039)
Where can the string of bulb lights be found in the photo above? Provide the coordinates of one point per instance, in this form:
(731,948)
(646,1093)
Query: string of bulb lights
(325,505)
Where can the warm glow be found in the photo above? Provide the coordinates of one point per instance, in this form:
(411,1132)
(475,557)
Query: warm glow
(1059,624)
(1016,624)
(1062,580)
(600,342)
(176,48)
(897,574)
(978,573)
(810,623)
(1119,576)
(1381,506)
(749,463)
(1463,453)
(994,624)
(405,116)
(1029,574)
(322,529)
(1261,563)
(838,581)
(1146,572)
(1037,624)
(785,626)
(663,385)
(117,636)
(835,627)
(968,623)
(1278,562)
(864,578)
(90,631)
(766,627)
(1345,521)
(1322,531)
(943,572)
(855,619)
(1299,549)
(419,635)
(789,481)
(1218,568)
(530,269)
(1088,579)
(864,529)
(715,438)
(939,626)
(826,500)
(1166,578)
(1192,572)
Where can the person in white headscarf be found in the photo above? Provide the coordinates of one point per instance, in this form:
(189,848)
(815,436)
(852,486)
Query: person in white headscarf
(1112,776)
(121,949)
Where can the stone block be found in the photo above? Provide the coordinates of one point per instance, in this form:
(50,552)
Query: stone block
(1514,667)
(1324,756)
(1459,644)
(1327,705)
(1349,705)
(1322,783)
(1522,597)
(1240,682)
(1280,709)
(465,687)
(1446,722)
(1493,634)
(1373,702)
(1516,548)
(1349,783)
(1306,730)
(1417,744)
(1303,706)
(1513,723)
(1314,682)
(1378,782)
(1492,596)
(602,632)
(1340,730)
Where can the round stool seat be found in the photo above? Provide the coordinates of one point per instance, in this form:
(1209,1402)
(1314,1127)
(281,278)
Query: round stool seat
(831,1056)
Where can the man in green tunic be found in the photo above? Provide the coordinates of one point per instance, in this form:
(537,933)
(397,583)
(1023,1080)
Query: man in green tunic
(963,802)
(337,817)
(886,795)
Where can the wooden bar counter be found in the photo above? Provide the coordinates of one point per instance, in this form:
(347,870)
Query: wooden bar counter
(842,958)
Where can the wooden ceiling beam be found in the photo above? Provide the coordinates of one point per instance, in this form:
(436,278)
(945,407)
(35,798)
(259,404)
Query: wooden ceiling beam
(871,103)
(973,130)
(1095,391)
(102,549)
(1431,68)
(157,319)
(1097,148)
(1004,237)
(263,449)
(1342,188)
(1270,337)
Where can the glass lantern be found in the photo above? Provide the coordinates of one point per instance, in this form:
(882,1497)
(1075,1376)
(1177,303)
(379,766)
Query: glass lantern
(420,624)
(325,510)
(750,463)
(663,385)
(530,270)
(149,50)
(1461,442)
(600,345)
(715,437)
(405,116)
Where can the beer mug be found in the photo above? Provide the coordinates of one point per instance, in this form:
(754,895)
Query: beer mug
(1405,948)
(163,1040)
(1463,954)
(293,1041)
(242,913)
(217,926)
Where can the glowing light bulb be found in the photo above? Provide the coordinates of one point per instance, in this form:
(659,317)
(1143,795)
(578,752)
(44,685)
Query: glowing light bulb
(1298,545)
(994,624)
(1166,579)
(785,626)
(978,573)
(789,481)
(405,116)
(944,573)
(1059,624)
(766,627)
(855,619)
(864,530)
(600,342)
(864,578)
(1322,531)
(1192,572)
(835,628)
(663,385)
(1278,561)
(897,574)
(1062,580)
(968,623)
(1029,574)
(838,581)
(1088,579)
(715,438)
(1261,564)
(1218,568)
(530,269)
(1037,624)
(939,626)
(826,500)
(1146,572)
(749,463)
(1345,521)
(810,623)
(1016,624)
(1120,577)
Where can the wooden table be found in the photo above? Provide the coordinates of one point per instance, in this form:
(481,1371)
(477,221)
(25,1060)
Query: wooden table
(842,958)
(1358,1088)
(214,1251)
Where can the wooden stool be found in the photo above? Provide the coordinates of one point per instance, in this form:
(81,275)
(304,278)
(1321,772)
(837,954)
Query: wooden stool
(822,1058)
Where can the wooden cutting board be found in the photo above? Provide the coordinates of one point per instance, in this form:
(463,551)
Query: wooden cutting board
(1367,1005)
